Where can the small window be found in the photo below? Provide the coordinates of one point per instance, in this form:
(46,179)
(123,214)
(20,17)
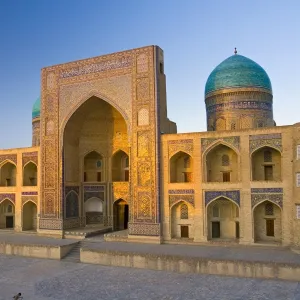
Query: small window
(298,151)
(187,162)
(225,160)
(161,68)
(269,209)
(298,212)
(226,176)
(84,177)
(184,212)
(298,179)
(99,176)
(267,156)
(99,164)
(216,211)
(126,175)
(237,211)
(187,177)
(126,162)
(9,208)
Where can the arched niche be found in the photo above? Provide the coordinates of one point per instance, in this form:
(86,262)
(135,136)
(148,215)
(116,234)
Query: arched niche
(267,222)
(223,219)
(182,220)
(30,174)
(181,167)
(29,216)
(93,211)
(221,164)
(120,166)
(8,173)
(266,164)
(7,214)
(93,167)
(92,127)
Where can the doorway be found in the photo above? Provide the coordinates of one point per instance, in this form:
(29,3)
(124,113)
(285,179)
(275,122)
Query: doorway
(121,215)
(9,222)
(184,231)
(216,232)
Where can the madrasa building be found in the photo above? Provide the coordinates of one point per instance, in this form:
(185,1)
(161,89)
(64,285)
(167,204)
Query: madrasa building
(105,156)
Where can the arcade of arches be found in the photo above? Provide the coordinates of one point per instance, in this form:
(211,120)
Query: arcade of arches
(96,152)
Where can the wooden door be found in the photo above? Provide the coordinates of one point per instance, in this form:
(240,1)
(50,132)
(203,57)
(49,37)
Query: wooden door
(216,232)
(270,227)
(9,222)
(184,231)
(237,230)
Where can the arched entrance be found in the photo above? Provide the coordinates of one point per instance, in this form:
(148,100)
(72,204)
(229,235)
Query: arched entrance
(30,174)
(29,216)
(120,166)
(221,164)
(181,167)
(182,219)
(267,222)
(91,135)
(7,214)
(266,164)
(223,220)
(8,173)
(93,211)
(121,215)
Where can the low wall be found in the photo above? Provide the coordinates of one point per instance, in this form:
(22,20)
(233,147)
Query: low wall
(37,251)
(180,264)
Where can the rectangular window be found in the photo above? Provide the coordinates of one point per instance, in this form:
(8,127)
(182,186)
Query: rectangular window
(270,227)
(226,176)
(126,175)
(298,212)
(298,179)
(99,176)
(84,177)
(268,173)
(184,231)
(298,151)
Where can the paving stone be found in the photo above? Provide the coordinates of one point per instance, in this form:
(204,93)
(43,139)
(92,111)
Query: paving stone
(48,279)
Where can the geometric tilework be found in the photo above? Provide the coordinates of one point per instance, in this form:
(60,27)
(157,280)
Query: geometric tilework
(68,189)
(29,193)
(258,141)
(181,192)
(51,224)
(11,157)
(232,195)
(144,229)
(274,195)
(29,156)
(231,140)
(72,205)
(10,196)
(173,199)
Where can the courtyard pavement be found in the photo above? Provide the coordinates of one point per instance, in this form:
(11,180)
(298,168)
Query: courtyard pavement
(41,279)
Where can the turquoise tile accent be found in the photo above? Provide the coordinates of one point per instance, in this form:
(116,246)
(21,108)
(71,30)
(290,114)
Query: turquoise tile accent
(36,109)
(235,72)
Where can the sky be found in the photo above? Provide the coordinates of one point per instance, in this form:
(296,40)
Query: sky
(196,35)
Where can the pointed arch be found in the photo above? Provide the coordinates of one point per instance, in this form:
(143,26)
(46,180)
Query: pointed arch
(8,172)
(7,213)
(120,166)
(225,224)
(72,205)
(29,215)
(83,99)
(265,168)
(266,200)
(214,169)
(30,172)
(182,219)
(121,214)
(181,167)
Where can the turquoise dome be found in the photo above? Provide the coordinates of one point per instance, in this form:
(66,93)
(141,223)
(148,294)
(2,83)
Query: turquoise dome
(237,71)
(36,110)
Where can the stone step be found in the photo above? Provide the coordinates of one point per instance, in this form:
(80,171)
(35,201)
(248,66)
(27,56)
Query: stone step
(74,254)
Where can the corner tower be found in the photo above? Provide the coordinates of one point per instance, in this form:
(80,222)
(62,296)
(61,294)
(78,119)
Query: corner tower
(238,95)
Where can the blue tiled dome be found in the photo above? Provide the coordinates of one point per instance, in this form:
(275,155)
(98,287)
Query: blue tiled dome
(235,72)
(36,109)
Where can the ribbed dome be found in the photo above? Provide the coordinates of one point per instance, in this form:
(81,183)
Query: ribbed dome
(36,109)
(235,72)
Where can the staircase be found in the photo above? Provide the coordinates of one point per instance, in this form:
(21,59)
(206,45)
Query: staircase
(74,254)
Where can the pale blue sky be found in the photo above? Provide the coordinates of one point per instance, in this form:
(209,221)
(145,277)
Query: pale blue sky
(195,35)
